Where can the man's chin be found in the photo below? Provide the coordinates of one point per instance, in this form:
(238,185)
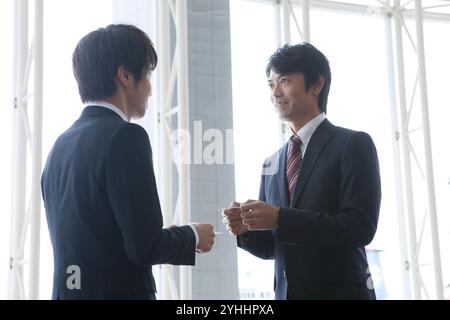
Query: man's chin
(138,115)
(143,110)
(283,115)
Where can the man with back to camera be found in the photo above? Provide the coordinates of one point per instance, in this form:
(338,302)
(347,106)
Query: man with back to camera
(98,184)
(320,193)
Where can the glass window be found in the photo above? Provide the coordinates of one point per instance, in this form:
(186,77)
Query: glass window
(256,123)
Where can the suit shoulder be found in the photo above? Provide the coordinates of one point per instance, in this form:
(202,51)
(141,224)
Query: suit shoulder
(355,142)
(130,130)
(349,134)
(129,137)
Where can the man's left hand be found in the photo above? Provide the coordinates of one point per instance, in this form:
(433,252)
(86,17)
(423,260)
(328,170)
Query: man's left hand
(258,215)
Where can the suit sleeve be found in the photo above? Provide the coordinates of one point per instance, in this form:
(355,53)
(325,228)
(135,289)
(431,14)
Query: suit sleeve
(133,195)
(355,223)
(258,243)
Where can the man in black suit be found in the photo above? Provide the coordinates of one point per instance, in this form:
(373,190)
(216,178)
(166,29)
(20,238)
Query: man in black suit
(320,193)
(98,184)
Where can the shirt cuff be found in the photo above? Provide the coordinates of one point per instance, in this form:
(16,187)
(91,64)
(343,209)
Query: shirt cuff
(195,233)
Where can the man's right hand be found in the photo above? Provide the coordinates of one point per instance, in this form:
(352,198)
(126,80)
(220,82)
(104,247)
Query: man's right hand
(205,236)
(233,220)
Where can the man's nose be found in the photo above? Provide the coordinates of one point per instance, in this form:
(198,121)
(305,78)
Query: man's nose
(276,92)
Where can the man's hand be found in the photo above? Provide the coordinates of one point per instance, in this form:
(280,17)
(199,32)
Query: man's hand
(205,236)
(233,220)
(258,215)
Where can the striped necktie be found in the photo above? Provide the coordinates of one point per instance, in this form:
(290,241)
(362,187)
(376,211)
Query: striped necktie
(294,161)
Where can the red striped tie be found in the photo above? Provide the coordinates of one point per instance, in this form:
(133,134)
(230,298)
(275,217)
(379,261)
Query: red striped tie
(294,162)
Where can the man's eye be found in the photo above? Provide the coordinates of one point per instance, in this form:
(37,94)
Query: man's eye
(283,80)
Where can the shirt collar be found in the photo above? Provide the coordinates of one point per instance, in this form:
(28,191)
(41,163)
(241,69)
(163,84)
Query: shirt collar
(107,105)
(306,132)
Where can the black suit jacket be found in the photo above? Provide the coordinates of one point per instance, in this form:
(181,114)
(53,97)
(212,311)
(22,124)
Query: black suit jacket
(103,211)
(318,246)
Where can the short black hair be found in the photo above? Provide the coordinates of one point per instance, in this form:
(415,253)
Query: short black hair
(99,54)
(306,59)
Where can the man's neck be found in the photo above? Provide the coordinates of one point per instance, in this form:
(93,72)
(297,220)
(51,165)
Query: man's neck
(300,123)
(119,103)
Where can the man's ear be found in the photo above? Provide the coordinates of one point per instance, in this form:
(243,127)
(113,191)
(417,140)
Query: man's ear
(123,76)
(318,86)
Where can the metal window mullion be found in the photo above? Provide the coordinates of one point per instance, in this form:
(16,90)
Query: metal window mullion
(405,271)
(183,126)
(286,21)
(36,165)
(306,20)
(405,149)
(431,197)
(15,291)
(168,288)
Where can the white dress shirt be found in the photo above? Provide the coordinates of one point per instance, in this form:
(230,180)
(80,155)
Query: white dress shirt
(306,132)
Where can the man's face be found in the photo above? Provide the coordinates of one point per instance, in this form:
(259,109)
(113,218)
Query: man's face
(289,97)
(141,91)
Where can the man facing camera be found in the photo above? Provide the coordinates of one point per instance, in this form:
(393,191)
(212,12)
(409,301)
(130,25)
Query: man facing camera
(98,184)
(320,193)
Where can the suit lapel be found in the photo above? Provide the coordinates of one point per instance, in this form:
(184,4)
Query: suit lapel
(316,145)
(282,180)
